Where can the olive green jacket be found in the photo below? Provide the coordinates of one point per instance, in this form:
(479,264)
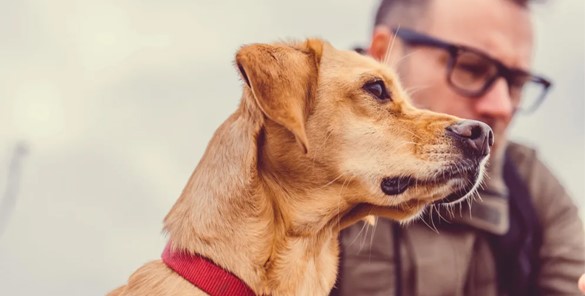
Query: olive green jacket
(460,261)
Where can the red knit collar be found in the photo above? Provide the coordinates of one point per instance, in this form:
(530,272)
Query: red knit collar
(205,275)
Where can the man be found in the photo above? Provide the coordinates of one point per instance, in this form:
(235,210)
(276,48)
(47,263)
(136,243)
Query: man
(470,58)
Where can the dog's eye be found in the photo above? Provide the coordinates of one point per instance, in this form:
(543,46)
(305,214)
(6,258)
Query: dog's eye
(378,89)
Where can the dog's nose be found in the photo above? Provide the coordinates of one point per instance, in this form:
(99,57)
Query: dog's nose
(475,137)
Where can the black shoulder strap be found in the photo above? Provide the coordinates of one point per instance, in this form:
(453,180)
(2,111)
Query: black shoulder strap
(516,252)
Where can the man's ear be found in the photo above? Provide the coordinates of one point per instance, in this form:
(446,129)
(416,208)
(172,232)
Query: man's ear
(382,39)
(282,79)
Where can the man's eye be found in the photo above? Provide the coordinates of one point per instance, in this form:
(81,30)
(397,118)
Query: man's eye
(476,70)
(377,89)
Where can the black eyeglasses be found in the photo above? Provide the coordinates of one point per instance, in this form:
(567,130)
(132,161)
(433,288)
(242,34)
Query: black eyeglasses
(471,72)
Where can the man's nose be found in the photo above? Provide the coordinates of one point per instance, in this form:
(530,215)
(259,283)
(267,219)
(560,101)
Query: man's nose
(496,102)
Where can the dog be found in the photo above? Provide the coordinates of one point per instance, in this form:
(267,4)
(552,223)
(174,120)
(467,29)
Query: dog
(321,139)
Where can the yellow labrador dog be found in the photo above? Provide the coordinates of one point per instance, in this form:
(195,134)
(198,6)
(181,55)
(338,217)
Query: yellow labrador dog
(321,139)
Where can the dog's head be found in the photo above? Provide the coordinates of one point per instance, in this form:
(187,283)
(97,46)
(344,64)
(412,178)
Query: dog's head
(340,128)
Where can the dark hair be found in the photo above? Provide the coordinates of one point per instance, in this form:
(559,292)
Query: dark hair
(396,12)
(408,12)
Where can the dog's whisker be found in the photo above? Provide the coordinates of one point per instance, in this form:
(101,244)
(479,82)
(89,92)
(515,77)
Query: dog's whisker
(403,58)
(438,211)
(414,135)
(441,218)
(451,211)
(415,185)
(469,208)
(327,135)
(345,183)
(431,216)
(439,215)
(332,181)
(413,90)
(367,228)
(340,198)
(433,228)
(373,232)
(364,224)
(404,143)
(372,238)
(391,47)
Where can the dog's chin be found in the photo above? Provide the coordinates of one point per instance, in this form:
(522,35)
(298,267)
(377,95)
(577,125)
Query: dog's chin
(468,187)
(414,208)
(445,187)
(402,212)
(458,195)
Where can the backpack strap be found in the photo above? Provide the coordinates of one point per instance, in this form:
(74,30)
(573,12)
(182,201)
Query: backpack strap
(517,251)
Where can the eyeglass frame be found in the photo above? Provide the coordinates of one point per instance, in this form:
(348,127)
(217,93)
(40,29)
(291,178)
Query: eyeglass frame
(412,37)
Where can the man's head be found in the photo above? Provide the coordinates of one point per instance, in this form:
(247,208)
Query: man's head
(499,30)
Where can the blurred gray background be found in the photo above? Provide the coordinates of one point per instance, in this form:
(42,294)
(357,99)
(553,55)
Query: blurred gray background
(115,102)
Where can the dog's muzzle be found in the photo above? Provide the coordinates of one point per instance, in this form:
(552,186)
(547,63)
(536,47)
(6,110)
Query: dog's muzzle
(474,139)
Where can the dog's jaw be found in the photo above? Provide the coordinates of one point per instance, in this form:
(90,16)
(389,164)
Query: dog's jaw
(410,210)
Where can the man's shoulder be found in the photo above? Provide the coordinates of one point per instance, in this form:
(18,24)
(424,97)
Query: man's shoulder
(544,187)
(521,154)
(530,168)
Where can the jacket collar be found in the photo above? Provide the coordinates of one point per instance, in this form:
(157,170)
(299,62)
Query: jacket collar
(490,213)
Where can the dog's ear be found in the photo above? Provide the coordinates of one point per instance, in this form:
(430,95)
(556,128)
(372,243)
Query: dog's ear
(282,79)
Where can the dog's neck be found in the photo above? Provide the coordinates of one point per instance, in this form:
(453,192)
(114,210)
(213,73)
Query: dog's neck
(251,222)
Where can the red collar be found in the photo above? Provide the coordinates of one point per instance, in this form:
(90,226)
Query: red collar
(205,275)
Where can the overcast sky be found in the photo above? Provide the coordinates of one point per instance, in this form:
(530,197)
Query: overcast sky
(116,101)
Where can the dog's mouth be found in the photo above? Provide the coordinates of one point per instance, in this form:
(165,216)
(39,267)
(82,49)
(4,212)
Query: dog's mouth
(468,175)
(450,185)
(396,185)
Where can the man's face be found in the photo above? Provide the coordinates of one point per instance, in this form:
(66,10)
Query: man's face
(499,28)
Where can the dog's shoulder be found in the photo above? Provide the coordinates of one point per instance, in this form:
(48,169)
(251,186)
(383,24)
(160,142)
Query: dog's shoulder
(156,278)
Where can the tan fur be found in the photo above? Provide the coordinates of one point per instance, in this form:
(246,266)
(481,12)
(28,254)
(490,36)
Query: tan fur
(302,157)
